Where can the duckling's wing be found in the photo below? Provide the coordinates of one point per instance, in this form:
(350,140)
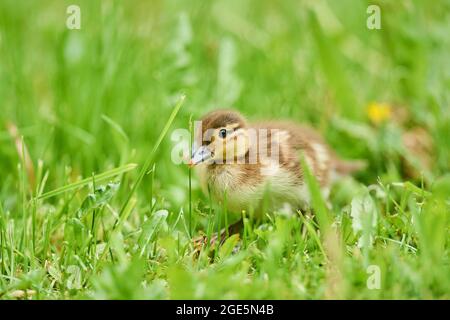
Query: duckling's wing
(319,155)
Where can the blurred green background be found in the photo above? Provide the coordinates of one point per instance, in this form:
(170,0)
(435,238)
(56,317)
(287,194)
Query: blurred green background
(93,99)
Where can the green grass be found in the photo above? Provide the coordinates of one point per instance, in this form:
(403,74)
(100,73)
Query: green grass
(79,220)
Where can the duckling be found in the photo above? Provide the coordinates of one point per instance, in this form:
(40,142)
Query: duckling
(242,163)
(245,160)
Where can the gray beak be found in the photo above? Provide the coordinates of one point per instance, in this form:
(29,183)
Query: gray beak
(200,155)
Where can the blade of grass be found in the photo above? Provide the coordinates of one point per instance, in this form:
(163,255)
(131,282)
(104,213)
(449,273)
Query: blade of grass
(312,232)
(152,180)
(23,180)
(219,227)
(190,178)
(210,227)
(116,127)
(225,212)
(412,188)
(320,208)
(100,177)
(2,239)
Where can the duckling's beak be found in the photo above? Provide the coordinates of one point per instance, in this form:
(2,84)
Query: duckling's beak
(202,154)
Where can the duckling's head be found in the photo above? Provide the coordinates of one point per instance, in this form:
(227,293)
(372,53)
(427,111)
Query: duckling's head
(221,137)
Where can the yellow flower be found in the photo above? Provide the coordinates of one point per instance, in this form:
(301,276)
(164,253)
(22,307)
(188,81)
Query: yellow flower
(378,112)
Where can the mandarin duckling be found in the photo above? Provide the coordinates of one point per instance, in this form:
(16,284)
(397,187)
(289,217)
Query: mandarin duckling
(245,162)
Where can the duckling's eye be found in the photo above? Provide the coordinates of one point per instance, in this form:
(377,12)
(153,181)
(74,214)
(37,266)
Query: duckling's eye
(223,133)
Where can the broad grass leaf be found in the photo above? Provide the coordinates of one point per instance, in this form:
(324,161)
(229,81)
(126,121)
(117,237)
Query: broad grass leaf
(101,196)
(74,278)
(227,248)
(364,218)
(151,227)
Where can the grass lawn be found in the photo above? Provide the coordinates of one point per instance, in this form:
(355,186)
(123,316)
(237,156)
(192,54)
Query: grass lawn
(93,207)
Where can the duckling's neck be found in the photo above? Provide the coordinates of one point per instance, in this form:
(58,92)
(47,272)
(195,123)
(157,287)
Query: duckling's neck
(222,176)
